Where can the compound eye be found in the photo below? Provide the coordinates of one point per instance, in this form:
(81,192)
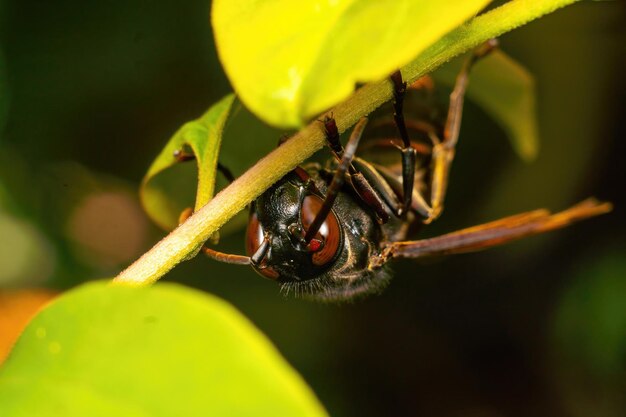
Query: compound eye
(254,238)
(325,244)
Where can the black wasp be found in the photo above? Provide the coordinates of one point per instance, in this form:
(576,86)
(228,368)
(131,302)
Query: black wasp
(328,233)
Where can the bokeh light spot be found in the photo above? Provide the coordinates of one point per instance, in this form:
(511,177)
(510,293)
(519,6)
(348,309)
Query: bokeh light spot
(108,229)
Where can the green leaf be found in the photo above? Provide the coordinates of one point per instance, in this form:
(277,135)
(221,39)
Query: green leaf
(165,195)
(506,91)
(290,60)
(105,350)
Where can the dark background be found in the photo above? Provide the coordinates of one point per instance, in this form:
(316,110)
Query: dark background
(90,92)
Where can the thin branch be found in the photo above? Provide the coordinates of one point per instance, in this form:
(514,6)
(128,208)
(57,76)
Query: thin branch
(185,241)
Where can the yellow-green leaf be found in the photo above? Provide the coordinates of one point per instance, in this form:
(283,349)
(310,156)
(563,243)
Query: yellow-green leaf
(164,196)
(290,60)
(506,91)
(166,350)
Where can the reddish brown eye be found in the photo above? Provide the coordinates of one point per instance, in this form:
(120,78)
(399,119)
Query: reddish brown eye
(254,238)
(254,234)
(329,233)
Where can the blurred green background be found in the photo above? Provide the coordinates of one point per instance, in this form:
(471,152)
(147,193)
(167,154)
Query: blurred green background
(90,92)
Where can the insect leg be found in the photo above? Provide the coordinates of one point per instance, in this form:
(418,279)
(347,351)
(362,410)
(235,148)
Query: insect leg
(359,183)
(182,155)
(408,152)
(370,185)
(443,153)
(492,234)
(227,173)
(338,180)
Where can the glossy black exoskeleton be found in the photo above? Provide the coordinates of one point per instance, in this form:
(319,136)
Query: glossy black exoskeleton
(328,232)
(337,266)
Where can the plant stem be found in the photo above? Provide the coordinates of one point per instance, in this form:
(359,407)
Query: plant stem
(183,242)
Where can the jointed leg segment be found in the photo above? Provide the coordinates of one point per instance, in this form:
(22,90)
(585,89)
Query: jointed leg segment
(492,234)
(360,185)
(338,180)
(443,150)
(408,152)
